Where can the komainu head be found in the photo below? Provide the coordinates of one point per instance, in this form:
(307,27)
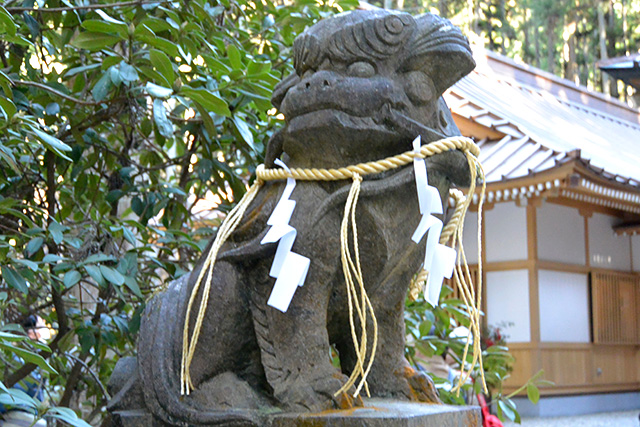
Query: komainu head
(366,84)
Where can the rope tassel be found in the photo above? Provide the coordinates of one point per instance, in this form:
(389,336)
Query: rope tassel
(226,228)
(354,283)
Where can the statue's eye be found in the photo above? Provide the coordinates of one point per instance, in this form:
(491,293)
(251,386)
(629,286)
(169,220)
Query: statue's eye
(361,69)
(419,87)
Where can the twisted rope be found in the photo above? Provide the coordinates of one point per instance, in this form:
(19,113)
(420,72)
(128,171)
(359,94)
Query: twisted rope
(351,268)
(394,162)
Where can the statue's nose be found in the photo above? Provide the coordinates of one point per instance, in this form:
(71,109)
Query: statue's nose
(319,80)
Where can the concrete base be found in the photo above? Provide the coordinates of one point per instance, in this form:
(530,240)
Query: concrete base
(375,413)
(559,406)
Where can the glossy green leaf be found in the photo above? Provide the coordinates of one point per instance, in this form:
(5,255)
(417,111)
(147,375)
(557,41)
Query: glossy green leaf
(14,279)
(102,87)
(18,398)
(112,275)
(163,44)
(77,70)
(8,107)
(108,18)
(158,91)
(28,356)
(130,282)
(507,410)
(56,230)
(163,64)
(128,73)
(100,257)
(51,142)
(533,393)
(31,265)
(244,131)
(105,27)
(208,100)
(234,57)
(6,20)
(71,277)
(94,41)
(94,272)
(162,121)
(66,415)
(34,245)
(32,24)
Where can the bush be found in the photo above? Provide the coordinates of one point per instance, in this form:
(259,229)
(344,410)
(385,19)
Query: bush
(116,120)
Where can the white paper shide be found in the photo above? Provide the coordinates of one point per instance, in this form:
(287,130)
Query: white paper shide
(439,260)
(288,268)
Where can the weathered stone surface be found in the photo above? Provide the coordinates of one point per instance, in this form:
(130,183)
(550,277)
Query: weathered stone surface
(375,413)
(366,84)
(386,413)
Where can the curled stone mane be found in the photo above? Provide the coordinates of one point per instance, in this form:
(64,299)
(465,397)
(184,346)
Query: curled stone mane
(362,35)
(378,38)
(378,35)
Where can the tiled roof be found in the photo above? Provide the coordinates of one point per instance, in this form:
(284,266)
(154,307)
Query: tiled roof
(533,130)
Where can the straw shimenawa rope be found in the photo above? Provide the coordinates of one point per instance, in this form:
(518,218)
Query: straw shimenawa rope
(356,294)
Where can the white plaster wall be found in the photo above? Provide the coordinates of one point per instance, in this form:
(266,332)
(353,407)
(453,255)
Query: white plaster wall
(560,234)
(506,228)
(508,302)
(635,249)
(564,306)
(607,249)
(470,237)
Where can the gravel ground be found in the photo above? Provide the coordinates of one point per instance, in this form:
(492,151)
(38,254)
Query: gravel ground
(613,419)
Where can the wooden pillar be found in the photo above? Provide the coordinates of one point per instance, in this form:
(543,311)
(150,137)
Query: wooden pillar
(534,303)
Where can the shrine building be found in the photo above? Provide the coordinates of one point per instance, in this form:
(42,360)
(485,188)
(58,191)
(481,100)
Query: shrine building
(561,231)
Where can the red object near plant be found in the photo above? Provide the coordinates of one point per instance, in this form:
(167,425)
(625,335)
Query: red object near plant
(488,420)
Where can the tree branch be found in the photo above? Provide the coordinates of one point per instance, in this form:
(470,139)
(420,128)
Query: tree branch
(85,7)
(55,92)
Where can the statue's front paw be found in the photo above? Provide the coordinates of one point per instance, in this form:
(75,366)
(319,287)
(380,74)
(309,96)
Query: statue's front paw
(421,386)
(406,383)
(318,395)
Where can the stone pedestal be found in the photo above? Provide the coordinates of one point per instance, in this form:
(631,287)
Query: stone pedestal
(387,413)
(375,413)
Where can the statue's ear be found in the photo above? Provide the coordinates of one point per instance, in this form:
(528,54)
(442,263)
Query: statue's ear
(281,89)
(445,66)
(440,50)
(274,149)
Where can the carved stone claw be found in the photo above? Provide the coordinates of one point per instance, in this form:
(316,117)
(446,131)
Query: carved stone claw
(421,386)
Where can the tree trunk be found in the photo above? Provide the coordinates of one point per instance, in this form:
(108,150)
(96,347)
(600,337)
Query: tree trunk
(602,34)
(536,42)
(571,68)
(443,8)
(526,26)
(504,28)
(551,43)
(611,43)
(625,27)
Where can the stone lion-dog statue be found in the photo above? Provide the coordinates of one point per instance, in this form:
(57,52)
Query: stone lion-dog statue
(366,83)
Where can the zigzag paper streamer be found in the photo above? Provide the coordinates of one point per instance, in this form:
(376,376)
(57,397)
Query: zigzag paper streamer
(439,260)
(289,269)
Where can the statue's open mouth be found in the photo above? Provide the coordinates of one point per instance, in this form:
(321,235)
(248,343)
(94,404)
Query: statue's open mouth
(327,118)
(338,123)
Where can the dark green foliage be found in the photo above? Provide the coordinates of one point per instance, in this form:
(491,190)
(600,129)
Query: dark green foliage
(115,123)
